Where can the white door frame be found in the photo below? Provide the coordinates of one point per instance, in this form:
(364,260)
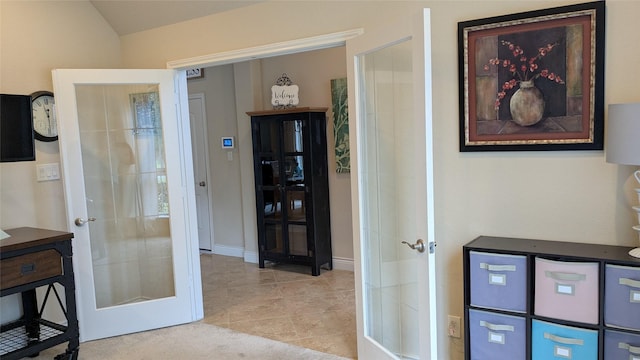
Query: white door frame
(258,52)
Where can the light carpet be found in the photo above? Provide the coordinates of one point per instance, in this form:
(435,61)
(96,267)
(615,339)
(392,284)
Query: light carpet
(191,341)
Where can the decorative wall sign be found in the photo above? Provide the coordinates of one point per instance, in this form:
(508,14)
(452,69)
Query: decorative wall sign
(341,124)
(195,73)
(284,94)
(533,80)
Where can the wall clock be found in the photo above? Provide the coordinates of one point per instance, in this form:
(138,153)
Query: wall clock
(45,127)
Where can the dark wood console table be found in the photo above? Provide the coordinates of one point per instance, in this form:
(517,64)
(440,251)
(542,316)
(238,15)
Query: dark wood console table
(32,258)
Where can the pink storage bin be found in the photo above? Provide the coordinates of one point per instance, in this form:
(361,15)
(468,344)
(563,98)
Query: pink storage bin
(566,290)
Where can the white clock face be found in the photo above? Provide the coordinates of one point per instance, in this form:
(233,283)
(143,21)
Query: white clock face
(44,120)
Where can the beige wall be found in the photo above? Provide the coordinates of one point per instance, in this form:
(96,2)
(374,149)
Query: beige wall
(36,37)
(569,196)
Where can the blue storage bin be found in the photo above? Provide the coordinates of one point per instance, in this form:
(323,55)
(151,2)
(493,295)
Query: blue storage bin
(554,341)
(498,281)
(496,336)
(619,345)
(622,297)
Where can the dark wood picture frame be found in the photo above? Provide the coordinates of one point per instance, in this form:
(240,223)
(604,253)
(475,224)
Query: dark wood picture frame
(554,59)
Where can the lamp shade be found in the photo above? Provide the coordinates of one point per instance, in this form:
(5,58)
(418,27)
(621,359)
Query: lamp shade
(622,135)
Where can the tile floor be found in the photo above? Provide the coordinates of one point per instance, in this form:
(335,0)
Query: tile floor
(281,302)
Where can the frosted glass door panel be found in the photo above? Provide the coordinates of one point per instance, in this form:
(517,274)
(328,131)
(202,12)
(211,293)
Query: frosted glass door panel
(126,191)
(389,75)
(390,283)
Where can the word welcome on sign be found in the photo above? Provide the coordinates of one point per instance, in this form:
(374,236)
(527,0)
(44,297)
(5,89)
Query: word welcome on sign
(286,95)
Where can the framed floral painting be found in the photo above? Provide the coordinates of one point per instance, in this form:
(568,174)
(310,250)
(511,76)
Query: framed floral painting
(533,80)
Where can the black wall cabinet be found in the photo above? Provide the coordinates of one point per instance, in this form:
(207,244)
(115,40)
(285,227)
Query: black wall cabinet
(292,188)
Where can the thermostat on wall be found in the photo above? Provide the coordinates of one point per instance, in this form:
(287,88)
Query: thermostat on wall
(227,142)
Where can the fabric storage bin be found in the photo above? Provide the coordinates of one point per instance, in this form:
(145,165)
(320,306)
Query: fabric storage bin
(622,296)
(498,281)
(566,290)
(554,341)
(619,345)
(497,337)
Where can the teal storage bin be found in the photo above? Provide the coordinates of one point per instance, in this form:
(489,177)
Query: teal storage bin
(551,341)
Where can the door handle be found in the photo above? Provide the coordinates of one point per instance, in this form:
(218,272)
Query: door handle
(81,221)
(419,245)
(202,183)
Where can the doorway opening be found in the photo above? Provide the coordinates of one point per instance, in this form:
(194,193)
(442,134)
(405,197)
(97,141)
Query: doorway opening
(341,289)
(222,160)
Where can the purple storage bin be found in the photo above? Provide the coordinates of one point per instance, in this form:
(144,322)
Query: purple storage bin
(567,290)
(622,297)
(496,336)
(619,345)
(498,281)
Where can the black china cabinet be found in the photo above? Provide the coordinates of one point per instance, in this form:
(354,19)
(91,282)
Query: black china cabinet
(292,188)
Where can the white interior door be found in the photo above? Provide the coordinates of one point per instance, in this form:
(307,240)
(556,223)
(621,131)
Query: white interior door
(390,105)
(128,181)
(198,119)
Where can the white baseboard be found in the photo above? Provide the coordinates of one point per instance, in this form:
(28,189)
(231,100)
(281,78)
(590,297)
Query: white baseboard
(343,264)
(228,250)
(251,257)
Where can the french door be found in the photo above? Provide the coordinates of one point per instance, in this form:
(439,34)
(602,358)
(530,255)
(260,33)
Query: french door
(389,73)
(198,118)
(128,178)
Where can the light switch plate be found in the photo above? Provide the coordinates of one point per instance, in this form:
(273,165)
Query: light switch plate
(48,172)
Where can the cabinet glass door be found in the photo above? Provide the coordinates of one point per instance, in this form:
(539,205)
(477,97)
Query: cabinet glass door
(292,133)
(271,185)
(281,152)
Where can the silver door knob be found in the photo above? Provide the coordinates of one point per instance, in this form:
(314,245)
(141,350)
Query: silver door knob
(202,183)
(81,221)
(419,245)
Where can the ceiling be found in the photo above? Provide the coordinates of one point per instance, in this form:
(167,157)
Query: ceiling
(130,16)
